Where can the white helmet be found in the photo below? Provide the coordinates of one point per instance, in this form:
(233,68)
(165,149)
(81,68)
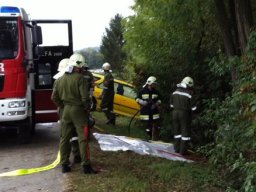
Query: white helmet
(106,66)
(151,80)
(77,60)
(188,81)
(63,64)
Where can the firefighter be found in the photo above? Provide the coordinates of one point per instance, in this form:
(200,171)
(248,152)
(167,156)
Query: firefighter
(74,140)
(76,57)
(182,102)
(107,96)
(88,77)
(150,101)
(71,93)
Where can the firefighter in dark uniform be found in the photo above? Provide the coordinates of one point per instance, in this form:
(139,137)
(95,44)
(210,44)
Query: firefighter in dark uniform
(182,103)
(71,93)
(107,96)
(150,100)
(89,78)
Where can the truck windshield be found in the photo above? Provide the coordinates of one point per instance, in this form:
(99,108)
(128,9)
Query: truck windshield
(8,37)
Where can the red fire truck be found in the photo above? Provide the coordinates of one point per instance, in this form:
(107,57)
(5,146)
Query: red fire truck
(27,67)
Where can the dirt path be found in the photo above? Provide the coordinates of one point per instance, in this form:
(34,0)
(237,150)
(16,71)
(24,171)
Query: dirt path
(41,151)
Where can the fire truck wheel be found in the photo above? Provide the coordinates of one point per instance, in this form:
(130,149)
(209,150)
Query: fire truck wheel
(24,132)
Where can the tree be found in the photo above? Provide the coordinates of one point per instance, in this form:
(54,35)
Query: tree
(93,56)
(112,44)
(235,23)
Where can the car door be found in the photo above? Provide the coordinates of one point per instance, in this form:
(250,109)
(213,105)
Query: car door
(124,102)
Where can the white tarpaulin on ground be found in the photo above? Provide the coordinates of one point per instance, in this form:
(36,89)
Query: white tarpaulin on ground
(121,143)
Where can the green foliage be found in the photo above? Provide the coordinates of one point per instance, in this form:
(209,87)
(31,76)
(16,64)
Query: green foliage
(171,39)
(112,43)
(235,149)
(93,57)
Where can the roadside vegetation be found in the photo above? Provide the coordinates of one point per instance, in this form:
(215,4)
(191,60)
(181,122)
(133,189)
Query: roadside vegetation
(213,42)
(127,171)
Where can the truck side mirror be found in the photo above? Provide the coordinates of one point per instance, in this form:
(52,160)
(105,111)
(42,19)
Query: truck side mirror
(37,35)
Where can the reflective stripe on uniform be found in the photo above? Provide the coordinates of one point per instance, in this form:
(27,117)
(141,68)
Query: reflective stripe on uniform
(156,116)
(73,139)
(145,96)
(154,96)
(144,117)
(177,136)
(193,108)
(185,138)
(182,93)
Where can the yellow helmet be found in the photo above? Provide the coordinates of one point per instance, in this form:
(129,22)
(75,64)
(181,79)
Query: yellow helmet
(188,81)
(77,60)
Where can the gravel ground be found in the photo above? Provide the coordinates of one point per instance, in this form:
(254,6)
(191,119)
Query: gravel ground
(41,151)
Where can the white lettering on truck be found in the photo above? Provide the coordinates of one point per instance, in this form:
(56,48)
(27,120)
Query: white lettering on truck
(1,69)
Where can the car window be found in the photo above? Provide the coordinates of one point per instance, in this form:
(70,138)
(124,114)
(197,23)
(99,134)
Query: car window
(124,90)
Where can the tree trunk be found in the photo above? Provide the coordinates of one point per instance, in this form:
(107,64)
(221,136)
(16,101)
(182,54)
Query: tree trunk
(225,27)
(244,21)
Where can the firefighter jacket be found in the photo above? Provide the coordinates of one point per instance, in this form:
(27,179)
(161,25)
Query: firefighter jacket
(89,78)
(108,92)
(181,99)
(152,99)
(71,89)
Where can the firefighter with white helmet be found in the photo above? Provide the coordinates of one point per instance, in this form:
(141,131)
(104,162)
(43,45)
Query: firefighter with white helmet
(71,93)
(106,66)
(61,68)
(107,96)
(66,66)
(183,104)
(150,99)
(77,60)
(188,81)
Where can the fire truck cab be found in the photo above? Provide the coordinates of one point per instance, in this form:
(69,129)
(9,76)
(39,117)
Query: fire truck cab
(27,67)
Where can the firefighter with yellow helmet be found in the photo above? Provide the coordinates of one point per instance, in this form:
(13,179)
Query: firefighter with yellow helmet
(71,93)
(150,100)
(183,104)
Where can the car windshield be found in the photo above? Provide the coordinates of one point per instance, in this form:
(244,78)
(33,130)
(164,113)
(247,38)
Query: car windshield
(8,37)
(122,89)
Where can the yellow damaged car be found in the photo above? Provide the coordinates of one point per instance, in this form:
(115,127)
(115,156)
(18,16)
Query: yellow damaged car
(124,100)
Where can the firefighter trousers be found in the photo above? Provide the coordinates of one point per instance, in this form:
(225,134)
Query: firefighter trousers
(181,120)
(74,117)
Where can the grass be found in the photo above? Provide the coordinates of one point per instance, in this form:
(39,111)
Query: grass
(131,172)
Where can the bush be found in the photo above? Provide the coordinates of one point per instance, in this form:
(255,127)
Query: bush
(235,149)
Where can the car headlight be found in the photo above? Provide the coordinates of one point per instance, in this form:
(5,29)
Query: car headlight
(16,104)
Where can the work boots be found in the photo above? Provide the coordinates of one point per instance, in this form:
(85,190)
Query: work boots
(77,159)
(89,170)
(65,168)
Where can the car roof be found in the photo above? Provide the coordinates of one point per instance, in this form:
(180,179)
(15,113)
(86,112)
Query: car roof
(116,80)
